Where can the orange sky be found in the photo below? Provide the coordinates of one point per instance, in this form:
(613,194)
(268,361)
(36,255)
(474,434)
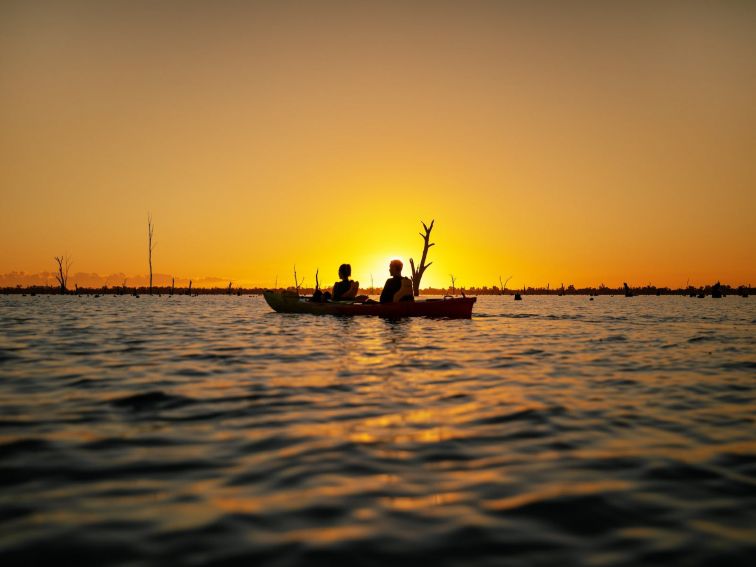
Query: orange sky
(575,142)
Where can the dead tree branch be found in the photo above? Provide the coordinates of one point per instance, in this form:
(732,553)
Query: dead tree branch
(417,272)
(64,264)
(504,284)
(297,282)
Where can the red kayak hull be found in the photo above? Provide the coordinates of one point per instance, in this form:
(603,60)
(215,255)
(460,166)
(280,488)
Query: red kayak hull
(453,308)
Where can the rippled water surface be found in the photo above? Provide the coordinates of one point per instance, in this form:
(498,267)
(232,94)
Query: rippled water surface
(210,430)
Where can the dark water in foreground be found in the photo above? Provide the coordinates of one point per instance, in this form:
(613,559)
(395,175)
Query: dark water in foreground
(209,430)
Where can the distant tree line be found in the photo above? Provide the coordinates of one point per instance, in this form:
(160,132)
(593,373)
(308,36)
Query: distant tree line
(474,290)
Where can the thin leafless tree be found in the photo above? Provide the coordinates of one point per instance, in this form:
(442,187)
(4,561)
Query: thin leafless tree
(297,283)
(453,280)
(417,272)
(64,264)
(504,284)
(150,244)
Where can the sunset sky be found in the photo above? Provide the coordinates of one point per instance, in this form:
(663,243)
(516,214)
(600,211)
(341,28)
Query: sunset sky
(575,142)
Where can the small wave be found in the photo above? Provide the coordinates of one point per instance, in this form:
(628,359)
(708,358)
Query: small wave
(531,352)
(151,400)
(614,338)
(702,338)
(679,471)
(741,365)
(520,315)
(532,415)
(591,511)
(6,355)
(24,446)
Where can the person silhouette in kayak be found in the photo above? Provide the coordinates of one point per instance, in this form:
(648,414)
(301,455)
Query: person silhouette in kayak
(346,288)
(397,288)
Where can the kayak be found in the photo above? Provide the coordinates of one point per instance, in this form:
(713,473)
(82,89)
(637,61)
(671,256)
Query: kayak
(450,307)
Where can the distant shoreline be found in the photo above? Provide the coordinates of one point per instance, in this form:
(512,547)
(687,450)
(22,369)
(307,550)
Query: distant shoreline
(167,290)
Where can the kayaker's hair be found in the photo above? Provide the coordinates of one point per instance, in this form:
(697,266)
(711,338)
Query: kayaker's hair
(345,270)
(397,263)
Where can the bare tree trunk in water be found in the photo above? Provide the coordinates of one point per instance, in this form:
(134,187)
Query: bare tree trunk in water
(64,264)
(297,283)
(504,284)
(150,245)
(417,273)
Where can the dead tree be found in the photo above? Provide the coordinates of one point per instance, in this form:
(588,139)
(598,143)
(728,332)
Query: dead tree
(150,245)
(173,285)
(453,279)
(297,283)
(229,288)
(190,288)
(417,272)
(64,264)
(317,282)
(504,284)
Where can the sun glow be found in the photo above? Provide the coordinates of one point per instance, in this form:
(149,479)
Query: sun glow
(376,266)
(290,142)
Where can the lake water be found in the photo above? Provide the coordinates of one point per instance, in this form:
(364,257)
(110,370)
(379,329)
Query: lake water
(210,430)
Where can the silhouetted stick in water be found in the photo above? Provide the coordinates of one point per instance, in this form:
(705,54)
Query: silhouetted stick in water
(229,288)
(297,283)
(190,288)
(417,273)
(64,264)
(173,285)
(504,284)
(452,280)
(150,245)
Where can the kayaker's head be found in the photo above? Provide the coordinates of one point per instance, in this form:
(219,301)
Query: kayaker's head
(395,268)
(345,270)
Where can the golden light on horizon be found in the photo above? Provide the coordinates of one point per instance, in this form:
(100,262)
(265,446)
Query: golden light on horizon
(580,146)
